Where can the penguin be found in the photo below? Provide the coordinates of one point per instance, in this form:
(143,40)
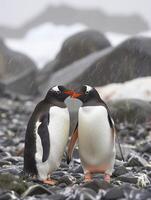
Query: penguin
(47,135)
(96,134)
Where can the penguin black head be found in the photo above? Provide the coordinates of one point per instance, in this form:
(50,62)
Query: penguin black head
(87,93)
(58,93)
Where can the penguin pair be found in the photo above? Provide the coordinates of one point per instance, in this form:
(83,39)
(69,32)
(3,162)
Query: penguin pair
(47,135)
(48,131)
(95,132)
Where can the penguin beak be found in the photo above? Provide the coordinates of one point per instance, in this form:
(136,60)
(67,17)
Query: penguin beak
(76,95)
(69,92)
(72,94)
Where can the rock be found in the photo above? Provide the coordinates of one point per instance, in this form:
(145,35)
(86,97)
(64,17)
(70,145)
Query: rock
(76,193)
(97,185)
(63,73)
(114,194)
(17,72)
(35,190)
(11,195)
(78,46)
(130,110)
(145,147)
(121,64)
(11,182)
(136,160)
(68,180)
(76,169)
(72,71)
(120,171)
(129,178)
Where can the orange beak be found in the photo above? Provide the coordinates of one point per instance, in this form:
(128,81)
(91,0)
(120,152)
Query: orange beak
(76,95)
(69,92)
(72,93)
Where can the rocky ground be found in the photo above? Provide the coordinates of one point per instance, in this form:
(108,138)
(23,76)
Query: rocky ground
(131,179)
(79,62)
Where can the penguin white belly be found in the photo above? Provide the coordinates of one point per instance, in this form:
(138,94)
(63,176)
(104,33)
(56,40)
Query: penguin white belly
(58,134)
(95,136)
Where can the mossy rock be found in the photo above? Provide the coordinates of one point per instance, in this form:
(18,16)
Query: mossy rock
(11,182)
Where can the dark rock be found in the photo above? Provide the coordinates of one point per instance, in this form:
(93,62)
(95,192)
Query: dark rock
(11,169)
(136,160)
(10,195)
(145,147)
(126,60)
(133,193)
(78,46)
(114,194)
(76,169)
(97,185)
(72,71)
(130,110)
(17,72)
(11,182)
(129,178)
(74,48)
(14,159)
(68,180)
(120,171)
(35,190)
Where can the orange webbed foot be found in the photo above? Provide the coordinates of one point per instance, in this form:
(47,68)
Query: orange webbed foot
(87,177)
(107,178)
(49,182)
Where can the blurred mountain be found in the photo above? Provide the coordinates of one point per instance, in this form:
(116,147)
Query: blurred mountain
(95,19)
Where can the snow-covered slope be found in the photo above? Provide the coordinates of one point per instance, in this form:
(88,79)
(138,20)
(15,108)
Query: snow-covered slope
(139,88)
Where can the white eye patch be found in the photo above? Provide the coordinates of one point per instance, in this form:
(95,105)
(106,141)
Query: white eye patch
(56,89)
(88,88)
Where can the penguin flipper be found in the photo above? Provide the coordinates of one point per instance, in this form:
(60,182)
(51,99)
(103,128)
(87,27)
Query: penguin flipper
(43,132)
(72,143)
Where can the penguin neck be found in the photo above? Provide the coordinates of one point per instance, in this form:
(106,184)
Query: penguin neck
(44,106)
(41,108)
(92,102)
(56,102)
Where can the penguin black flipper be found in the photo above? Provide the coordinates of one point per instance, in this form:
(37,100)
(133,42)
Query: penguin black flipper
(44,135)
(30,149)
(72,143)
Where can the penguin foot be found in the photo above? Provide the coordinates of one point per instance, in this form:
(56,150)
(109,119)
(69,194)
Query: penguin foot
(49,182)
(87,177)
(107,178)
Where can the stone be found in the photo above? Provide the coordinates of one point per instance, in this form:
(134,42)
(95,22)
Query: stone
(35,190)
(10,195)
(114,194)
(17,72)
(129,60)
(129,178)
(97,185)
(136,160)
(78,46)
(72,71)
(11,182)
(130,110)
(120,171)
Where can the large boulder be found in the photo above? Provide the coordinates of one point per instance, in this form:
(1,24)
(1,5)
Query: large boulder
(71,72)
(75,47)
(17,72)
(129,60)
(130,110)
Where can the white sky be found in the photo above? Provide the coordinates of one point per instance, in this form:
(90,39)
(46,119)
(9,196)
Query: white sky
(17,12)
